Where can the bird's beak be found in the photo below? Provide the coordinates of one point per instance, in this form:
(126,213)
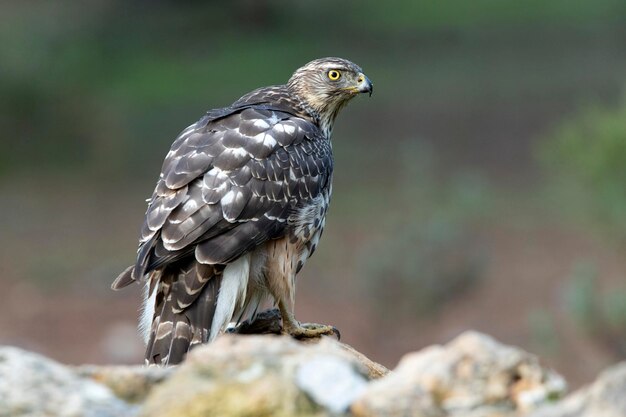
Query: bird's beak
(365,85)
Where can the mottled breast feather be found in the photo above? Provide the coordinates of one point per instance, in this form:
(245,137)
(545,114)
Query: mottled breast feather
(231,181)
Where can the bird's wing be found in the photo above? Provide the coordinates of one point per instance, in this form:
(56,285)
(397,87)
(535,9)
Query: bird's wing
(229,183)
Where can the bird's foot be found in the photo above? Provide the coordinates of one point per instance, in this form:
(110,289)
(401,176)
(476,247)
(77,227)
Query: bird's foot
(310,330)
(270,322)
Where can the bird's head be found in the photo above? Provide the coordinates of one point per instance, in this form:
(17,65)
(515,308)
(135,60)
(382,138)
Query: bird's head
(327,84)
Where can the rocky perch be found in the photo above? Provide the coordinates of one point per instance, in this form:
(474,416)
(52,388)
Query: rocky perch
(472,376)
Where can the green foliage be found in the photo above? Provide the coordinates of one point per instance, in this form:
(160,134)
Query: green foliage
(592,147)
(543,334)
(587,157)
(600,313)
(428,254)
(461,13)
(580,295)
(103,85)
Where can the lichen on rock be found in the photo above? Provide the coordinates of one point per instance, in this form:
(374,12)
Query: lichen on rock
(473,375)
(277,376)
(130,383)
(250,376)
(606,397)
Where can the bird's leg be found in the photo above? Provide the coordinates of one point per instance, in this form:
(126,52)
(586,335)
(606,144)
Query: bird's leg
(299,330)
(280,272)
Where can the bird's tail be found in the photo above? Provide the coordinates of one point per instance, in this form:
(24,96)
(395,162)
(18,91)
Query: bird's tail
(184,306)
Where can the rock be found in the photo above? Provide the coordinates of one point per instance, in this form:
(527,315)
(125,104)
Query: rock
(258,376)
(34,386)
(270,322)
(606,397)
(386,399)
(471,376)
(130,383)
(331,382)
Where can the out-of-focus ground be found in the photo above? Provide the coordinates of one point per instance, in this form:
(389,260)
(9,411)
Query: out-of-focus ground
(446,212)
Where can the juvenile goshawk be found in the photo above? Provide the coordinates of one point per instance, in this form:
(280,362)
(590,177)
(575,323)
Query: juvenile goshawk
(239,206)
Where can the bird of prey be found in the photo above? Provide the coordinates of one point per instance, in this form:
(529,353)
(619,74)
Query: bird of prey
(239,206)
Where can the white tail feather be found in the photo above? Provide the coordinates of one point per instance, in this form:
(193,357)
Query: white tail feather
(232,292)
(147,313)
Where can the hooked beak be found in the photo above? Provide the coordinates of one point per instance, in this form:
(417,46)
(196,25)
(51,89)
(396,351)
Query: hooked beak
(365,85)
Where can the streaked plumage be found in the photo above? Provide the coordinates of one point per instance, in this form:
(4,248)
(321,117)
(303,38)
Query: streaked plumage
(239,206)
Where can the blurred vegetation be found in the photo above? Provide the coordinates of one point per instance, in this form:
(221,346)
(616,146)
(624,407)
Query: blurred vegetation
(587,157)
(98,90)
(543,333)
(434,255)
(85,85)
(601,313)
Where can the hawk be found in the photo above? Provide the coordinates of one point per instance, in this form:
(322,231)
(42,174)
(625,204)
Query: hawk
(239,206)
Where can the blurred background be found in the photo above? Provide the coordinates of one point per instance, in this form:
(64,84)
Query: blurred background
(483,186)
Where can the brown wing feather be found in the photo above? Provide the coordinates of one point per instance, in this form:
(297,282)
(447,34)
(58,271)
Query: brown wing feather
(185,304)
(228,183)
(123,279)
(257,173)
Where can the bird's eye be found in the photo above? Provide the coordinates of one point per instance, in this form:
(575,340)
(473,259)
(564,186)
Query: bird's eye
(334,75)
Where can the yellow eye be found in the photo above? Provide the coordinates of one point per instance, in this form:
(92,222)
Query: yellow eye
(334,75)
